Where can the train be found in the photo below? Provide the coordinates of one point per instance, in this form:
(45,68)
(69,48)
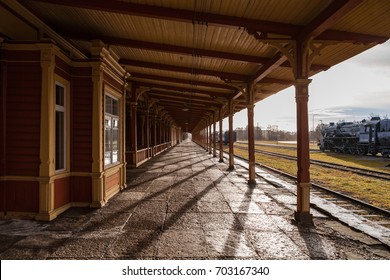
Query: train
(226,137)
(360,138)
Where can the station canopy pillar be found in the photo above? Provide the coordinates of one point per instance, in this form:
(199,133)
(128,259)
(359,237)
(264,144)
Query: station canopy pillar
(210,138)
(251,134)
(133,133)
(231,149)
(214,136)
(302,215)
(220,135)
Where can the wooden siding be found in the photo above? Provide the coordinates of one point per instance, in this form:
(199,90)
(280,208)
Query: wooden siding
(21,196)
(23,113)
(2,196)
(113,82)
(3,84)
(112,181)
(61,192)
(62,68)
(81,140)
(16,55)
(81,189)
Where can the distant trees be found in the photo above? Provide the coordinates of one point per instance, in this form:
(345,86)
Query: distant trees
(272,133)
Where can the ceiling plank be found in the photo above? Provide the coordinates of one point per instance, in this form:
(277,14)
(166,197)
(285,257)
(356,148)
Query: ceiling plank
(124,42)
(179,15)
(180,81)
(327,18)
(195,71)
(183,89)
(344,36)
(188,97)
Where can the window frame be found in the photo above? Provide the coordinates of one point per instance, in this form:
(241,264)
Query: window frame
(62,109)
(113,119)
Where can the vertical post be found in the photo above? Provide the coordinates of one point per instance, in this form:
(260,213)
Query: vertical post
(302,215)
(220,135)
(303,157)
(154,134)
(147,132)
(231,149)
(47,166)
(210,137)
(133,132)
(207,135)
(214,136)
(251,134)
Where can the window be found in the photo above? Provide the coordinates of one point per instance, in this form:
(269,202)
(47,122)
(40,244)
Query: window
(60,128)
(111,131)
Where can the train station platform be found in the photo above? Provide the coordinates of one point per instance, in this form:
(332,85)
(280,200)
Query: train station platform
(184,204)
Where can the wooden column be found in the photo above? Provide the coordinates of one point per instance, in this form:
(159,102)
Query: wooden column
(231,149)
(147,132)
(47,165)
(210,137)
(303,186)
(154,134)
(214,136)
(220,135)
(251,134)
(133,133)
(302,215)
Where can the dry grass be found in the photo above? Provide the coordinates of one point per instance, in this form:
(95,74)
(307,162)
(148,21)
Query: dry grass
(366,162)
(374,191)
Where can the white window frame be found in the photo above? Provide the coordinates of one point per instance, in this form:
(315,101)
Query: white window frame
(62,109)
(111,117)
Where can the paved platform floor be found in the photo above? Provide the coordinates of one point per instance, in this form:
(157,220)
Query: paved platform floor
(183,204)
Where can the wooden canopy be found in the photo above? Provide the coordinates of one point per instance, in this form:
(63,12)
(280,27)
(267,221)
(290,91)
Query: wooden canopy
(193,56)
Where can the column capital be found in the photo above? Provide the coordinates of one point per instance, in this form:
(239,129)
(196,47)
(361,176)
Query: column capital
(302,82)
(250,106)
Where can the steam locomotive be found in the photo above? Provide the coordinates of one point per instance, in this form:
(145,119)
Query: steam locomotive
(361,138)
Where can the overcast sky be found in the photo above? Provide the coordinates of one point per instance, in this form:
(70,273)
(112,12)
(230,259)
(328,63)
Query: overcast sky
(350,91)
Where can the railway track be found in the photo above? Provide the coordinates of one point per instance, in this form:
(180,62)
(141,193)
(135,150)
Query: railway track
(356,170)
(370,216)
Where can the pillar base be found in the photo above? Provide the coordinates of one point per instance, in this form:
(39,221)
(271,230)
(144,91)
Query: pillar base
(230,168)
(252,182)
(304,219)
(221,160)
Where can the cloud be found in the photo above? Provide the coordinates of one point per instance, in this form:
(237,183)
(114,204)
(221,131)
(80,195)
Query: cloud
(378,56)
(335,114)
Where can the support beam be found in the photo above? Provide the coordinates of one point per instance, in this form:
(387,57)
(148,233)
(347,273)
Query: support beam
(180,15)
(327,18)
(188,70)
(124,42)
(137,75)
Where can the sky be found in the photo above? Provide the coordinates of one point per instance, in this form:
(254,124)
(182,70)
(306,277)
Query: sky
(350,91)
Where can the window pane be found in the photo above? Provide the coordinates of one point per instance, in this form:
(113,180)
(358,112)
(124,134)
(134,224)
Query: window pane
(108,105)
(115,107)
(60,141)
(60,98)
(107,154)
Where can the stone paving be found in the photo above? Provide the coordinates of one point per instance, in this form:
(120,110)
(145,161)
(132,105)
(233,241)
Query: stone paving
(184,204)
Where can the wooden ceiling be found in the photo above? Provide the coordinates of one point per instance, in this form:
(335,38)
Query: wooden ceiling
(197,54)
